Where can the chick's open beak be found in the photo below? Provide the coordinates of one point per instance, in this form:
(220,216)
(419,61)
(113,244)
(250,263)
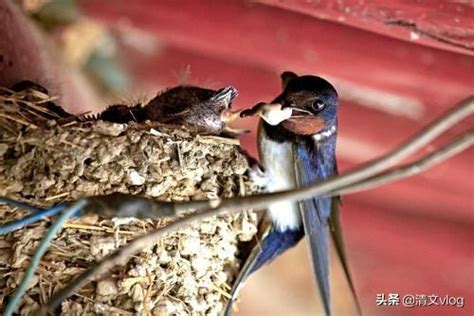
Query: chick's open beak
(229,116)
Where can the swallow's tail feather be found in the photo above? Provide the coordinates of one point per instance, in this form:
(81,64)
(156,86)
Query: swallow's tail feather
(337,237)
(317,236)
(311,168)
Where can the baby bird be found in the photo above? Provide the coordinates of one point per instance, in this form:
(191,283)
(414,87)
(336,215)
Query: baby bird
(203,110)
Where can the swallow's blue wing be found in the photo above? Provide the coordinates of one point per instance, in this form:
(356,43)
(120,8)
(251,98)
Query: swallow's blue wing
(269,244)
(313,165)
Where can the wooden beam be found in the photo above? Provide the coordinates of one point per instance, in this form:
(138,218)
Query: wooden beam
(447,25)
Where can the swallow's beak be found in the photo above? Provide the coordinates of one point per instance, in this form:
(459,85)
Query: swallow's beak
(304,122)
(300,113)
(253,111)
(272,113)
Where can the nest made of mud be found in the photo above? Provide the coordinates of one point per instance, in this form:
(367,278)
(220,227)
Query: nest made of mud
(186,272)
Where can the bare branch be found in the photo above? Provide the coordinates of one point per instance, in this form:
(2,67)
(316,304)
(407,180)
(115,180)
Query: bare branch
(444,153)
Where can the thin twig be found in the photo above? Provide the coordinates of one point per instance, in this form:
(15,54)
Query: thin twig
(215,207)
(30,125)
(444,153)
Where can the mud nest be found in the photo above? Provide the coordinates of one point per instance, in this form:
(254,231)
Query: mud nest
(186,272)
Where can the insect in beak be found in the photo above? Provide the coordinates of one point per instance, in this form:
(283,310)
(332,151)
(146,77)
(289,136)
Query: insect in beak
(272,113)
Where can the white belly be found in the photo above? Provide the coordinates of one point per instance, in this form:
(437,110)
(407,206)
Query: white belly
(277,159)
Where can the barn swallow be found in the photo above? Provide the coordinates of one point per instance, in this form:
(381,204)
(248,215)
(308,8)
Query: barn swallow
(204,110)
(297,141)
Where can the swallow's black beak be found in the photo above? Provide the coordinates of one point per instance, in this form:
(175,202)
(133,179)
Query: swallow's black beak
(253,111)
(297,112)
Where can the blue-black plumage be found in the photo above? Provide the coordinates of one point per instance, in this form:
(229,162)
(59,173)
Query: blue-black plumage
(297,143)
(316,163)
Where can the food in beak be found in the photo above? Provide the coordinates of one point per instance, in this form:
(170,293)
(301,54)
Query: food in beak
(274,114)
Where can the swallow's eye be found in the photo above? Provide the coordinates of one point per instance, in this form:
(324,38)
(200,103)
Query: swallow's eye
(318,105)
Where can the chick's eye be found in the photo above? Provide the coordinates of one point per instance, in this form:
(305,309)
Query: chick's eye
(318,105)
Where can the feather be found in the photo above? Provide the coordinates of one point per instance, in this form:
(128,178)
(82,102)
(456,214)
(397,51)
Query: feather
(315,163)
(337,237)
(270,243)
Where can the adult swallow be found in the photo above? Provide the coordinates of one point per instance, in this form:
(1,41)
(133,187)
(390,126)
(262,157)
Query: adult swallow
(297,142)
(204,110)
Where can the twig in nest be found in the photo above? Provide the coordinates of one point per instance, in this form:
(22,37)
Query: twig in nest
(30,125)
(335,184)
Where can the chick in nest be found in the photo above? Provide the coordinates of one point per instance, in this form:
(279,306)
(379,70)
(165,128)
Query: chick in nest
(203,110)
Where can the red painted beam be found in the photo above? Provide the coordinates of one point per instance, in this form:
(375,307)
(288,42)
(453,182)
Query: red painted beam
(282,40)
(447,25)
